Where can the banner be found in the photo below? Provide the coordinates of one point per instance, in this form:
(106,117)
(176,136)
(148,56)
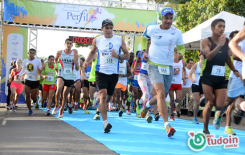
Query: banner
(14,47)
(137,45)
(34,12)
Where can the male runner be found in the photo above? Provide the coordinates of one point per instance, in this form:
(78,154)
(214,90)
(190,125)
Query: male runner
(65,78)
(32,66)
(163,39)
(215,49)
(108,47)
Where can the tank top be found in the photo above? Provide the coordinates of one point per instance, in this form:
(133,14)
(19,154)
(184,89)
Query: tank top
(137,71)
(123,70)
(17,78)
(107,64)
(215,68)
(143,68)
(66,63)
(188,82)
(177,79)
(87,72)
(51,75)
(92,73)
(197,74)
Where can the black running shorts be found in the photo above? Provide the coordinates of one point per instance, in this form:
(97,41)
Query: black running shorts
(86,83)
(32,84)
(67,83)
(216,83)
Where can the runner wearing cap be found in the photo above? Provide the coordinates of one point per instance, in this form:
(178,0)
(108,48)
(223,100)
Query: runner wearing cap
(109,48)
(160,59)
(215,49)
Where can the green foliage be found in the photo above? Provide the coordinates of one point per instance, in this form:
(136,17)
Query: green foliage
(191,55)
(44,58)
(193,13)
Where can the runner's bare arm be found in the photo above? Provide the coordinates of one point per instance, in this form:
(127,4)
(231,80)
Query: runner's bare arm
(136,64)
(191,72)
(57,58)
(234,44)
(11,76)
(128,70)
(83,71)
(92,52)
(76,61)
(124,56)
(206,47)
(235,57)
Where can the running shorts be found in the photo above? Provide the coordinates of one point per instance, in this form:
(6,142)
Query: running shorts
(49,87)
(197,88)
(235,88)
(32,84)
(67,83)
(92,84)
(120,86)
(86,83)
(19,87)
(175,87)
(216,83)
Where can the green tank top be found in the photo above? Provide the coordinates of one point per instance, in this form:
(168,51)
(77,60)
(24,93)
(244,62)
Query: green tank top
(51,73)
(92,72)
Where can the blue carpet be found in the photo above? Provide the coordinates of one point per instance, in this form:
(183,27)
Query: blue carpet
(134,136)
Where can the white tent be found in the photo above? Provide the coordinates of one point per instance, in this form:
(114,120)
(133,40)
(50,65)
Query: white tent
(193,37)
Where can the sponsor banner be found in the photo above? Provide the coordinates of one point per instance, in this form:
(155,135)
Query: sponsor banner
(137,45)
(14,47)
(34,12)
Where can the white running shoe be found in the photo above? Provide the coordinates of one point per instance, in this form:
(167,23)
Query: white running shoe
(54,112)
(61,114)
(128,112)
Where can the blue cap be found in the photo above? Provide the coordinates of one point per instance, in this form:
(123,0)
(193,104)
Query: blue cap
(14,61)
(167,10)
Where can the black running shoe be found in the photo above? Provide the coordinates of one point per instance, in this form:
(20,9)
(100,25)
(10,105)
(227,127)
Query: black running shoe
(157,117)
(237,112)
(206,132)
(178,114)
(65,108)
(108,127)
(120,113)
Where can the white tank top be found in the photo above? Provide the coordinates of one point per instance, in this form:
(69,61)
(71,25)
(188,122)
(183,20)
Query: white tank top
(105,63)
(197,74)
(123,70)
(177,79)
(77,72)
(66,66)
(188,82)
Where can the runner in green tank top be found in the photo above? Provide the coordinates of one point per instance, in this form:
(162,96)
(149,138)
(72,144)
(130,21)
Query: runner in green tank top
(213,71)
(49,86)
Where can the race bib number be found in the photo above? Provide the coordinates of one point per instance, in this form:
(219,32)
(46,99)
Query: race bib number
(109,60)
(144,66)
(122,70)
(67,70)
(50,78)
(218,70)
(87,75)
(164,70)
(32,77)
(136,77)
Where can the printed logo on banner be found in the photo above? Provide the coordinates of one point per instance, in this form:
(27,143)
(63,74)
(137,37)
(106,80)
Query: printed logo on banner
(15,54)
(198,141)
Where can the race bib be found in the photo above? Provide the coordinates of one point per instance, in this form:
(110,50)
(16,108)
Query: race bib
(50,78)
(67,70)
(122,70)
(164,70)
(109,60)
(144,66)
(218,70)
(18,78)
(31,77)
(136,77)
(87,75)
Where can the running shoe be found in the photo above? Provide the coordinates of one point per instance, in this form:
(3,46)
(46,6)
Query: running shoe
(65,108)
(157,117)
(48,112)
(216,121)
(14,109)
(172,118)
(128,112)
(97,117)
(138,116)
(87,112)
(45,103)
(174,110)
(195,121)
(9,107)
(61,114)
(54,112)
(120,112)
(206,132)
(143,112)
(37,106)
(237,112)
(229,131)
(170,131)
(178,114)
(30,112)
(70,109)
(149,119)
(107,128)
(75,107)
(110,109)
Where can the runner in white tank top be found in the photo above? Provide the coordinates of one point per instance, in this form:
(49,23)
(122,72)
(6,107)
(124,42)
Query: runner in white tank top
(121,87)
(66,58)
(179,72)
(196,85)
(109,53)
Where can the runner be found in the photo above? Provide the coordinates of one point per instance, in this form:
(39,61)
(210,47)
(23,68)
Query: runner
(163,38)
(239,103)
(186,89)
(215,49)
(108,47)
(65,78)
(49,86)
(179,72)
(13,65)
(16,85)
(40,94)
(32,67)
(121,87)
(196,85)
